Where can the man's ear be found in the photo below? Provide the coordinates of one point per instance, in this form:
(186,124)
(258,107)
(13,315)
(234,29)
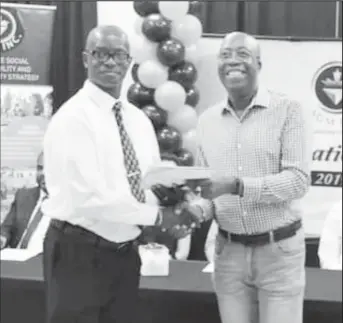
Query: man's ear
(85,59)
(259,64)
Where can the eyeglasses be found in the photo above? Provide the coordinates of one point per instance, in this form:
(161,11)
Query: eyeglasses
(239,54)
(104,56)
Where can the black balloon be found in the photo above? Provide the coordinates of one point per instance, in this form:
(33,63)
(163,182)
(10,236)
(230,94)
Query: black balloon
(145,8)
(139,95)
(156,28)
(171,52)
(184,73)
(185,157)
(170,157)
(192,96)
(134,72)
(169,139)
(157,116)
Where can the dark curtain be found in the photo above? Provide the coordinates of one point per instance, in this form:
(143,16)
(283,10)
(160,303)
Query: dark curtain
(300,19)
(73,21)
(221,17)
(268,18)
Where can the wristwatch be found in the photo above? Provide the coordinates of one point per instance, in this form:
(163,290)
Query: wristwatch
(238,187)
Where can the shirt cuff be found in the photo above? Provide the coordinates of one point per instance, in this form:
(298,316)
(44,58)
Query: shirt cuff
(252,188)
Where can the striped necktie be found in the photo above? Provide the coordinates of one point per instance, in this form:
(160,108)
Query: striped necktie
(130,158)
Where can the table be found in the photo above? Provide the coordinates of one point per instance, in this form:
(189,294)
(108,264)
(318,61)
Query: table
(185,296)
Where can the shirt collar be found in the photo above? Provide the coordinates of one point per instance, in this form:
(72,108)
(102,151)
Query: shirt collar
(98,96)
(260,100)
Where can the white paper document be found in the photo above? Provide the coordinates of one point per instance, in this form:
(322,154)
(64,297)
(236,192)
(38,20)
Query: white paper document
(209,268)
(167,175)
(9,254)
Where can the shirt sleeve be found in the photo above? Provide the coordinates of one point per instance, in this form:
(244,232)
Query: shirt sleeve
(71,165)
(330,244)
(293,181)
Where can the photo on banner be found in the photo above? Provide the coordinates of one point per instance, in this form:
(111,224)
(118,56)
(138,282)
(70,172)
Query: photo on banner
(26,102)
(314,80)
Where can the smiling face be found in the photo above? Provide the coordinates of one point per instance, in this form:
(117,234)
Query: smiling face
(107,56)
(239,62)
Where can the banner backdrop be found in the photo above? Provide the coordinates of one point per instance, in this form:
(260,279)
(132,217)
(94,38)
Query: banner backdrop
(310,72)
(25,40)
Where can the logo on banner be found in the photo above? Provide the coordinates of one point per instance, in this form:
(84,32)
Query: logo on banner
(11,30)
(327,85)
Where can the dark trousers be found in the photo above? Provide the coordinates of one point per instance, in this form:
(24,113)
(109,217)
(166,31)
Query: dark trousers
(89,282)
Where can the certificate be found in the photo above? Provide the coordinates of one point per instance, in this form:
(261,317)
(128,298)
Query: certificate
(168,175)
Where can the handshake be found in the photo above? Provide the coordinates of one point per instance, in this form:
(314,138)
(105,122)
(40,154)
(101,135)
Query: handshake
(180,211)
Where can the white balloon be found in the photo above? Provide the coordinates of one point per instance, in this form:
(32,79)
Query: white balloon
(170,96)
(152,74)
(183,119)
(192,54)
(189,141)
(138,25)
(173,10)
(143,49)
(188,30)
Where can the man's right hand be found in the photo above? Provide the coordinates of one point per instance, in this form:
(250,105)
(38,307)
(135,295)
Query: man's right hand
(3,242)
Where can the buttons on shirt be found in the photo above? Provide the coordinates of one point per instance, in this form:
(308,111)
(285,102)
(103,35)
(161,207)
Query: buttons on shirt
(239,146)
(240,168)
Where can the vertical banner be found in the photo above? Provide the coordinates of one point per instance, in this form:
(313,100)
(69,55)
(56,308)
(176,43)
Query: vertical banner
(315,80)
(26,105)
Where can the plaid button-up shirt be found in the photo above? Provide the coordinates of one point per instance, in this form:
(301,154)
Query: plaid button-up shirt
(268,147)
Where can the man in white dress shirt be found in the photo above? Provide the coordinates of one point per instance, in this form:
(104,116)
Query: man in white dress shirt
(96,148)
(330,245)
(25,225)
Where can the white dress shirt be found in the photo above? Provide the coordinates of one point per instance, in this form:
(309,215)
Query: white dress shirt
(84,166)
(37,238)
(330,245)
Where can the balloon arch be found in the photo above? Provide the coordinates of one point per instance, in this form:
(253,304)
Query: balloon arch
(164,71)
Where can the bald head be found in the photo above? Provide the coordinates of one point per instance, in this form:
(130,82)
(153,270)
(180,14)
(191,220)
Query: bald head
(239,63)
(107,58)
(238,39)
(109,33)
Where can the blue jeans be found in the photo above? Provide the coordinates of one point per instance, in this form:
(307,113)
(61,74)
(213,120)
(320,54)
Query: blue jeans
(262,284)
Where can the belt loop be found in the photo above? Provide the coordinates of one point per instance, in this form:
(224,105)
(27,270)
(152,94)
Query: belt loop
(271,237)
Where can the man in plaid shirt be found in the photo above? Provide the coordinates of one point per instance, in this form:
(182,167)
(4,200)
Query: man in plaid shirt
(257,142)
